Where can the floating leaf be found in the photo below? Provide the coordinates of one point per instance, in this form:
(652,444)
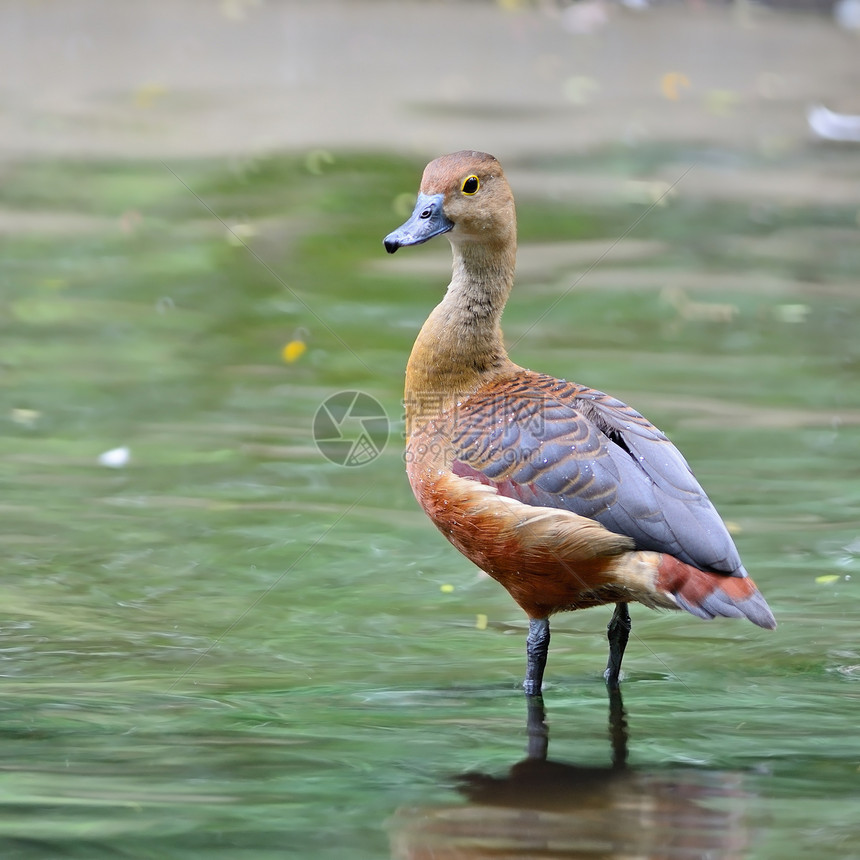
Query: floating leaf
(146,95)
(721,102)
(317,160)
(25,417)
(237,233)
(293,351)
(796,313)
(672,83)
(129,221)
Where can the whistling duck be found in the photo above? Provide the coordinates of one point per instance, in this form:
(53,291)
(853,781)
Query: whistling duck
(563,494)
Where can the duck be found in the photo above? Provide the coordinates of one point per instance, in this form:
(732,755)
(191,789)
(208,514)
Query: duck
(565,495)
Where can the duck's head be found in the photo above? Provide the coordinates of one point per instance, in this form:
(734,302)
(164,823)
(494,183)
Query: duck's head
(465,195)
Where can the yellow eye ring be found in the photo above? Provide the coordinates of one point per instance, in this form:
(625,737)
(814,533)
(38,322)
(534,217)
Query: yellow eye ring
(470,185)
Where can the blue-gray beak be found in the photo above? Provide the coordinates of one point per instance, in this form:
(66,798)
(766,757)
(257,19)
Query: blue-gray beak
(427,220)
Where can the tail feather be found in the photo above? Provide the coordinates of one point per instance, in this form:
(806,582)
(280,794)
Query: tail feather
(707,595)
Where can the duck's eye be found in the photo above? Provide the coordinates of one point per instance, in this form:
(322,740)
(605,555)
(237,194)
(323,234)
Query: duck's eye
(470,185)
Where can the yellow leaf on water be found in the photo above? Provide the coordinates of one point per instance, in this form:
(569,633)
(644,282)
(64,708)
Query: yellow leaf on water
(827,578)
(293,351)
(446,589)
(672,83)
(481,621)
(146,95)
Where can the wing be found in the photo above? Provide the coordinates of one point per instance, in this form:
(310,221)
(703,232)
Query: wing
(558,444)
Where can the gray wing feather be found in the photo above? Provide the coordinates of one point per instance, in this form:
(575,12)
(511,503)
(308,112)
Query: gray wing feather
(559,444)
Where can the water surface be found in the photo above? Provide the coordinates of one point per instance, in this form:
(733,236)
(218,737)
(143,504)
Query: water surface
(230,646)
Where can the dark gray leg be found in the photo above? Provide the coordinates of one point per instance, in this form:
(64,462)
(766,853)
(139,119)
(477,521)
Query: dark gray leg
(537,729)
(617,728)
(537,646)
(618,632)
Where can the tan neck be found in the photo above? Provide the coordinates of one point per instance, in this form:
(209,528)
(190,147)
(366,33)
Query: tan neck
(460,347)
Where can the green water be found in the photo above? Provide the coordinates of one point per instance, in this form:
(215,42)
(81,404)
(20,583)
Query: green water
(232,647)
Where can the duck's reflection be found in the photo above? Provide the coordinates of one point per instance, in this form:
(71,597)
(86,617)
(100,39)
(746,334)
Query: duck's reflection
(550,809)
